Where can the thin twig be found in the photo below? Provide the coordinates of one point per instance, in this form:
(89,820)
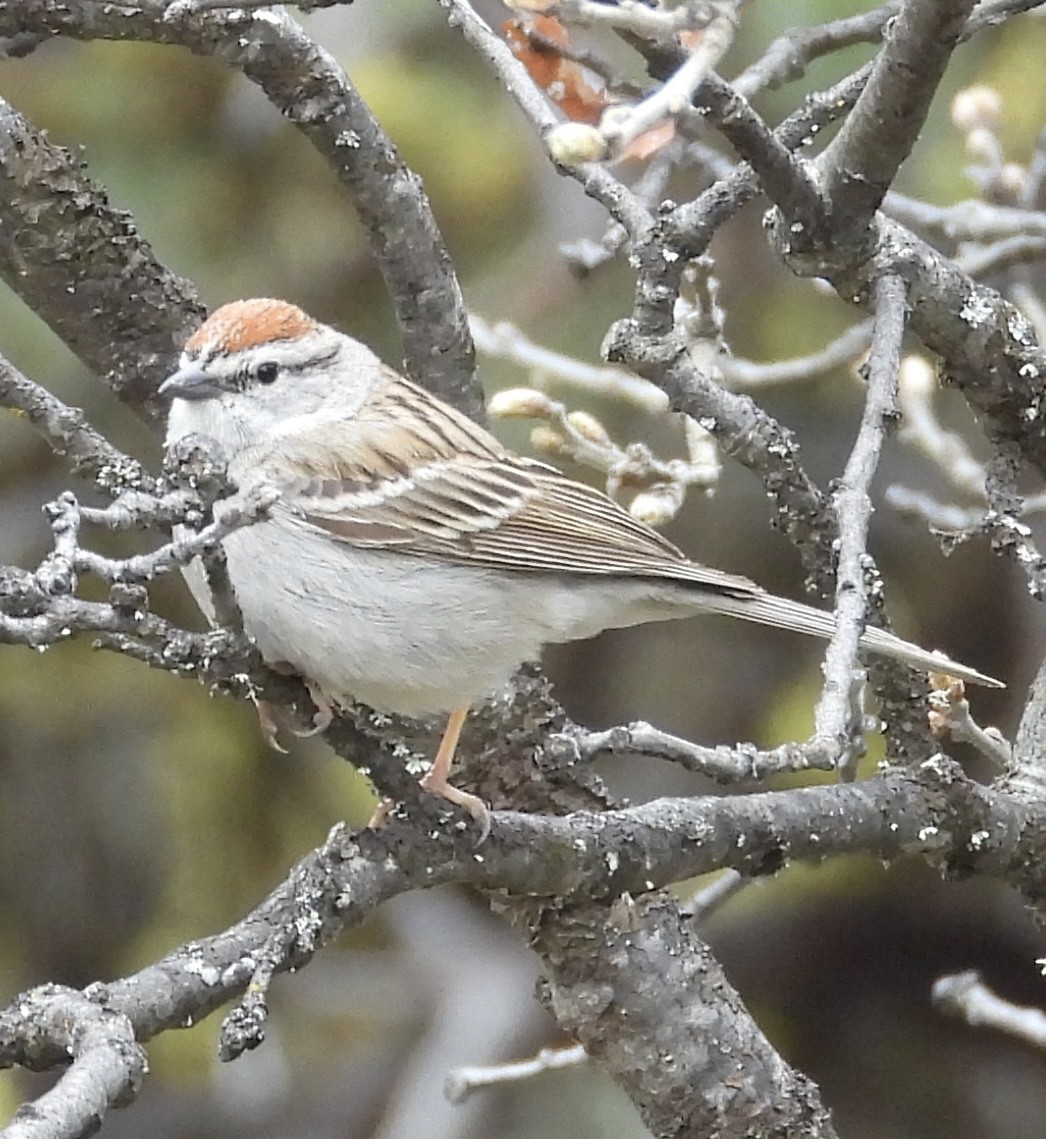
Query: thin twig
(1002,255)
(839,714)
(505,341)
(966,996)
(728,765)
(706,901)
(970,220)
(598,183)
(621,125)
(950,715)
(921,428)
(461,1082)
(788,56)
(69,433)
(748,375)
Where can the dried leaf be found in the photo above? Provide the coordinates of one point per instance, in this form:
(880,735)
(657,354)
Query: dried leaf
(647,144)
(563,80)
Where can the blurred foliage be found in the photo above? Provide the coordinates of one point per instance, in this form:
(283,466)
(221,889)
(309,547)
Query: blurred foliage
(123,834)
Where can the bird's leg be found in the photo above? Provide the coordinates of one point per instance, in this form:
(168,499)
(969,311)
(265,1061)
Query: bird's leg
(323,716)
(380,814)
(437,777)
(271,719)
(436,780)
(267,722)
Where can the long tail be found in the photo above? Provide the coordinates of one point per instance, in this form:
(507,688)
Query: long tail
(765,609)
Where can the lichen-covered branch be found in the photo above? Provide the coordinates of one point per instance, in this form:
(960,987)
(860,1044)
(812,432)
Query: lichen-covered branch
(82,265)
(863,159)
(961,826)
(304,82)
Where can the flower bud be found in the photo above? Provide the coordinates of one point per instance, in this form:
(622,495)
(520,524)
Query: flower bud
(977,107)
(658,505)
(916,378)
(548,440)
(589,428)
(573,144)
(1012,178)
(520,403)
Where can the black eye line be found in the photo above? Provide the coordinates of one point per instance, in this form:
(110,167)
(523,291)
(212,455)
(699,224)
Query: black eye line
(312,363)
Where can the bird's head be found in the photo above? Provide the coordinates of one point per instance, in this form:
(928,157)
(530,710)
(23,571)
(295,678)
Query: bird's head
(256,364)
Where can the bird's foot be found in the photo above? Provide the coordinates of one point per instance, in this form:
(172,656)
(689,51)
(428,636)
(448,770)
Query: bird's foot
(471,803)
(322,718)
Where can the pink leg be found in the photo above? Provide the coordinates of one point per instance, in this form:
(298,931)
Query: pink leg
(437,779)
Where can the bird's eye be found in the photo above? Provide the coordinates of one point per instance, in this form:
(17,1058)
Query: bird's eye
(267,372)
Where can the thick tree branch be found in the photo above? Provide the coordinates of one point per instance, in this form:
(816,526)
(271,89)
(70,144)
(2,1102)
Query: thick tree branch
(617,967)
(51,1026)
(987,346)
(961,826)
(862,160)
(714,1073)
(305,83)
(82,265)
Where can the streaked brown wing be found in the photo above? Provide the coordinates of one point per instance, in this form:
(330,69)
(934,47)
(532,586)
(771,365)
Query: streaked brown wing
(425,480)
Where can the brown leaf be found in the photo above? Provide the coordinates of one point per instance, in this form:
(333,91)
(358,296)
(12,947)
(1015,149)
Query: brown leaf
(563,80)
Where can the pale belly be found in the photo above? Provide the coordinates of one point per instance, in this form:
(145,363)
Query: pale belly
(399,634)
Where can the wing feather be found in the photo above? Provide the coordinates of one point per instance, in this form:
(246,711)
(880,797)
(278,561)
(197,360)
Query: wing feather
(416,476)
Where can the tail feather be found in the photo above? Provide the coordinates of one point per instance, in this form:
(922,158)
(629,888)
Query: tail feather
(765,609)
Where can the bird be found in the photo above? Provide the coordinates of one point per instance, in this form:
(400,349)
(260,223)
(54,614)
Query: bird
(409,560)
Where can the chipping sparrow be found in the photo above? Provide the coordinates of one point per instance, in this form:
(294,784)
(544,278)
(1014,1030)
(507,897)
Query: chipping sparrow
(411,561)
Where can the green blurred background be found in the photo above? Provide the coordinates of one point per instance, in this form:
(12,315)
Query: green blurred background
(122,835)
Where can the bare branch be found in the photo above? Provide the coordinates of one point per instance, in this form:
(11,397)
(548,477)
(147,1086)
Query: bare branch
(970,220)
(1002,255)
(504,341)
(658,486)
(704,902)
(305,83)
(921,428)
(725,764)
(781,175)
(617,199)
(839,716)
(959,523)
(69,433)
(641,960)
(621,124)
(691,226)
(748,375)
(966,996)
(742,428)
(987,346)
(462,1082)
(233,514)
(950,715)
(81,264)
(1004,522)
(616,956)
(878,135)
(787,57)
(610,855)
(52,1025)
